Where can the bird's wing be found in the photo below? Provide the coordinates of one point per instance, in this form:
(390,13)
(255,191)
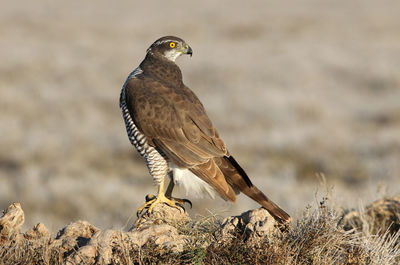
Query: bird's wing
(174,120)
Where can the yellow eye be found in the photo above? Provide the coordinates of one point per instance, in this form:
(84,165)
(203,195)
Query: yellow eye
(172,44)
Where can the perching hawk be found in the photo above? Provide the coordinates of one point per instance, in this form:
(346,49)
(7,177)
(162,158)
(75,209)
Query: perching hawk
(169,127)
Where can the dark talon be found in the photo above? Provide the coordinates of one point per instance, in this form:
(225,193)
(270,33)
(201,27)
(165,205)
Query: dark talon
(180,205)
(189,202)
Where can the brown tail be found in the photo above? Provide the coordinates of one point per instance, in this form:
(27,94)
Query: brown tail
(239,180)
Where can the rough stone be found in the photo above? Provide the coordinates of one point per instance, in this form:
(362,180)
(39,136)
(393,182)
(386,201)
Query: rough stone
(73,237)
(11,223)
(251,225)
(159,227)
(162,214)
(379,217)
(39,231)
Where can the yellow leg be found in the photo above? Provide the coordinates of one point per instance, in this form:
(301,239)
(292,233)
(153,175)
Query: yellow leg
(152,201)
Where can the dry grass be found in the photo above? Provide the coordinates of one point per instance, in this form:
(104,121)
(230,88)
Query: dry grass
(318,237)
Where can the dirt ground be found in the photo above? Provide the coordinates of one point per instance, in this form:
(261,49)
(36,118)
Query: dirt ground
(295,88)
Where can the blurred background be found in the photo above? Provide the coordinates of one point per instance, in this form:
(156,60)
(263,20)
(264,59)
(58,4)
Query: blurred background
(296,88)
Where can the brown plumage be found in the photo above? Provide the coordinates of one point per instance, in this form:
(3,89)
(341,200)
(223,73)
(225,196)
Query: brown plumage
(175,123)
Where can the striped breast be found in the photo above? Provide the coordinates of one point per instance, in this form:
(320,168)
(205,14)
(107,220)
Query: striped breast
(137,139)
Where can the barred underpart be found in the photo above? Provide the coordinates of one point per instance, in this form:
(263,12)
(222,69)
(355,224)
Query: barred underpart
(156,162)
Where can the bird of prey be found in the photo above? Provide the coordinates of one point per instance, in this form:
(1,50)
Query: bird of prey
(170,129)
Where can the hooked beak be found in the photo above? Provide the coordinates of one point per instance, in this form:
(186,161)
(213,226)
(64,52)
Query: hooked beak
(188,50)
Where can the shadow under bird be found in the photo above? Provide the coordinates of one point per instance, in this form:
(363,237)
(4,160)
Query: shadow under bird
(169,127)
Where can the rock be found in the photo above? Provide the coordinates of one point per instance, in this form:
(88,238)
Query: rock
(155,228)
(164,236)
(85,255)
(351,219)
(159,228)
(39,231)
(251,225)
(103,241)
(11,223)
(162,214)
(99,249)
(91,245)
(72,237)
(378,217)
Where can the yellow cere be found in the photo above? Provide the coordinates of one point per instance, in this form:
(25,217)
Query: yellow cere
(172,44)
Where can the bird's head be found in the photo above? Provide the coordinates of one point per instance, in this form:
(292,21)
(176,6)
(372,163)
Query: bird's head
(170,47)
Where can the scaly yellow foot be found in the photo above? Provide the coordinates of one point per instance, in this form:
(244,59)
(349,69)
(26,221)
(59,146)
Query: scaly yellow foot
(152,201)
(180,201)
